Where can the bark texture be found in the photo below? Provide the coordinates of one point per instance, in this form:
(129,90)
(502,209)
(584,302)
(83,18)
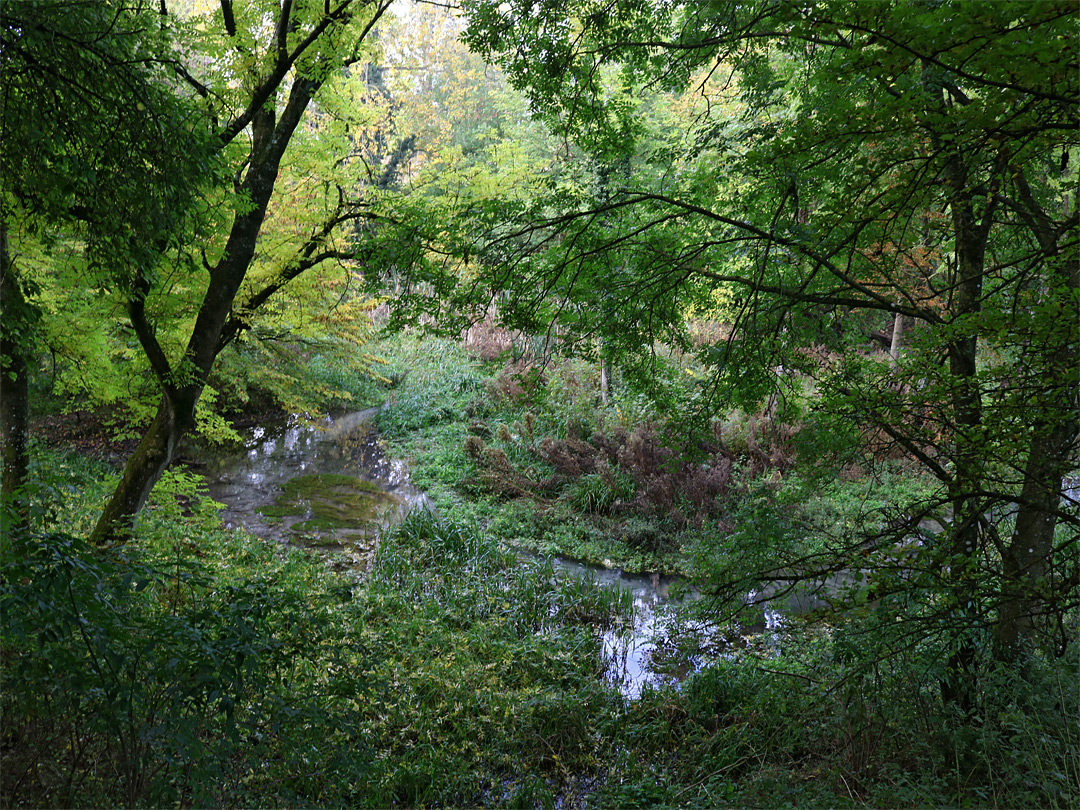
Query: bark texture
(14,392)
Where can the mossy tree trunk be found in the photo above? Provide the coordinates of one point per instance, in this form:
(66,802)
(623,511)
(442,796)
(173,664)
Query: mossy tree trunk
(215,323)
(15,331)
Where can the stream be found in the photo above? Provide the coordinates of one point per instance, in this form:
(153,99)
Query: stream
(326,485)
(330,486)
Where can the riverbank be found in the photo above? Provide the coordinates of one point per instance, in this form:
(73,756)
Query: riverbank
(251,674)
(201,666)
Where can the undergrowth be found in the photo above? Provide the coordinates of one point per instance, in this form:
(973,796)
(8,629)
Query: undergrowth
(529,450)
(200,667)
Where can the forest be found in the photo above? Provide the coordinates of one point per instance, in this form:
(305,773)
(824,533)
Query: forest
(515,403)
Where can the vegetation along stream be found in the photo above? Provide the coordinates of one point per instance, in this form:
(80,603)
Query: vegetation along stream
(330,486)
(706,413)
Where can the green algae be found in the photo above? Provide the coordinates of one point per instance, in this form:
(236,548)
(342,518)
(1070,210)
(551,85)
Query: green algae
(329,502)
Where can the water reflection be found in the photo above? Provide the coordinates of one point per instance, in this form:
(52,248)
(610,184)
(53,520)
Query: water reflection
(632,651)
(252,477)
(674,633)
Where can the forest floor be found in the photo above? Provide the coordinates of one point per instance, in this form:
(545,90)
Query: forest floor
(453,673)
(84,432)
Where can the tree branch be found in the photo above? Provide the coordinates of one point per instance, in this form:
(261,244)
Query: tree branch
(228,18)
(144,331)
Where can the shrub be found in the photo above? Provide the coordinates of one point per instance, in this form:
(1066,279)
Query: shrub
(128,682)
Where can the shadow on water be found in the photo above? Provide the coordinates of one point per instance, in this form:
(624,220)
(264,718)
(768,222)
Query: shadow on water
(326,485)
(330,486)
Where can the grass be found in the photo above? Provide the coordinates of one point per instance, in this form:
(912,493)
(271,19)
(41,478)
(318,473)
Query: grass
(201,667)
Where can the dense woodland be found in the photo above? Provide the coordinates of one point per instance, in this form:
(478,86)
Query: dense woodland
(777,298)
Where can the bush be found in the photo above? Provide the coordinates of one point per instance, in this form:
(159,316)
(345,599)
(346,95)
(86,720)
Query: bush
(166,671)
(128,683)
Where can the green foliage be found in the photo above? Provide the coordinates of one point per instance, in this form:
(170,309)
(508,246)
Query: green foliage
(844,170)
(105,166)
(597,493)
(68,151)
(66,489)
(194,665)
(488,657)
(437,380)
(295,367)
(154,676)
(175,193)
(602,484)
(874,160)
(198,666)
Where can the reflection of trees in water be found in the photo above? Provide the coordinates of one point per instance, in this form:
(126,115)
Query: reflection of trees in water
(361,446)
(249,480)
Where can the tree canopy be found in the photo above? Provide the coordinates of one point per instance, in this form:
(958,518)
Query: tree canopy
(908,167)
(99,150)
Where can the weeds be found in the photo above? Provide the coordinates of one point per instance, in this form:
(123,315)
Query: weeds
(198,667)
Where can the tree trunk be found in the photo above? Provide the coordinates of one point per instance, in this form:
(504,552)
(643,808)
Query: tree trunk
(14,394)
(144,468)
(1026,561)
(176,412)
(961,563)
(897,338)
(15,427)
(961,678)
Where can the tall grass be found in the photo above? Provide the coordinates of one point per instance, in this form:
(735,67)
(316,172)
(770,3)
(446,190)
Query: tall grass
(199,667)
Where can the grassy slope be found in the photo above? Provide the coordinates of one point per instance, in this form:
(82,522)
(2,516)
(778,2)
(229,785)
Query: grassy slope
(205,668)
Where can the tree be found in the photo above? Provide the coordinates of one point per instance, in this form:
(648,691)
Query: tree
(908,159)
(14,400)
(275,60)
(96,150)
(251,72)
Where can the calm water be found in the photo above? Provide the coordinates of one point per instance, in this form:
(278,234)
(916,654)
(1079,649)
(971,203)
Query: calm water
(650,650)
(251,477)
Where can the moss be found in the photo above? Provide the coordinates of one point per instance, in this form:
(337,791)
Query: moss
(330,501)
(308,537)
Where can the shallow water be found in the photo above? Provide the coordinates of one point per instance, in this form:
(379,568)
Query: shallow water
(254,477)
(252,481)
(629,650)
